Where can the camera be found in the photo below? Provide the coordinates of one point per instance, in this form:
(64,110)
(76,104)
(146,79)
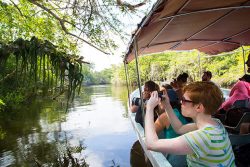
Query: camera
(136,101)
(160,94)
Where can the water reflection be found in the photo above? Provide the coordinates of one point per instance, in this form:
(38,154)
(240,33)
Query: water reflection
(95,131)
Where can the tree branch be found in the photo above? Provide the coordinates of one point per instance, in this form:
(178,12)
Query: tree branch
(129,6)
(62,23)
(17,8)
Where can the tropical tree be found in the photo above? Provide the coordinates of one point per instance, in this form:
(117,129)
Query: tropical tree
(63,25)
(226,69)
(69,22)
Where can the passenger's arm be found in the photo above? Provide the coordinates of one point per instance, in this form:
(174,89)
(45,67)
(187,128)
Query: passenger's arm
(175,146)
(177,125)
(134,108)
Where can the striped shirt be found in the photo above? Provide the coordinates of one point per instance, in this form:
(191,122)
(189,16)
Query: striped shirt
(211,147)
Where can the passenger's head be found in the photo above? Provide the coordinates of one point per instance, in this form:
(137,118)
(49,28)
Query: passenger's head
(181,80)
(205,93)
(245,77)
(149,87)
(173,84)
(248,63)
(207,75)
(182,77)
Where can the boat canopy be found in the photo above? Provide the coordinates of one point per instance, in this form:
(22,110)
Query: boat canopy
(210,26)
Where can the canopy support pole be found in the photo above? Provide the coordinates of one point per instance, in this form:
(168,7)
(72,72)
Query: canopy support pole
(127,83)
(138,77)
(199,61)
(244,59)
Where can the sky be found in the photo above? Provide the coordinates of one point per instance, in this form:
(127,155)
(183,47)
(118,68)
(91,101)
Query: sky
(99,59)
(102,61)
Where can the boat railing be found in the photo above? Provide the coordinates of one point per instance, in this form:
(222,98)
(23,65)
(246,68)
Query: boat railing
(157,159)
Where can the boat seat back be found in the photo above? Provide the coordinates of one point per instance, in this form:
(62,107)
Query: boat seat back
(245,118)
(235,113)
(241,104)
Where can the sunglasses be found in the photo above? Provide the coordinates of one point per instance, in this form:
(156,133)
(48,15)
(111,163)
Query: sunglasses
(183,101)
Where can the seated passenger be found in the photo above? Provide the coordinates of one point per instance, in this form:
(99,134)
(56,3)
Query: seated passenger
(149,87)
(248,63)
(245,127)
(165,130)
(179,83)
(207,76)
(205,142)
(240,91)
(162,124)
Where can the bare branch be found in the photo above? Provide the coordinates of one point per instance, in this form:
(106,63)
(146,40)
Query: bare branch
(129,6)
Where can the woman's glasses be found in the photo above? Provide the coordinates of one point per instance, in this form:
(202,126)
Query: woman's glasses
(183,101)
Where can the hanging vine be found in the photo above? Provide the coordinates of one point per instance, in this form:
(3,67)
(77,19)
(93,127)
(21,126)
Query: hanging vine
(38,61)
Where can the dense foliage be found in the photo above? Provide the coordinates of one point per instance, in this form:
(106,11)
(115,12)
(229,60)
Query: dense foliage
(226,69)
(23,20)
(29,66)
(26,67)
(68,23)
(92,77)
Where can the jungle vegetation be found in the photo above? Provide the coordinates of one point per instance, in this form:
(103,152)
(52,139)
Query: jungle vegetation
(40,57)
(40,40)
(226,69)
(27,68)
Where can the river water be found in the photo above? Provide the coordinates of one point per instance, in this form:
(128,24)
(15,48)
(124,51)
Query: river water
(96,131)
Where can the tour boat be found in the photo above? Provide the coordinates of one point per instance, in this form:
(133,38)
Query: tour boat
(209,26)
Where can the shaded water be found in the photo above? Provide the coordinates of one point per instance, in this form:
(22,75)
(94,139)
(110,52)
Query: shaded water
(95,131)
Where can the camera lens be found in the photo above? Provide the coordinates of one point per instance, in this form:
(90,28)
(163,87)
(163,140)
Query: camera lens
(136,101)
(160,93)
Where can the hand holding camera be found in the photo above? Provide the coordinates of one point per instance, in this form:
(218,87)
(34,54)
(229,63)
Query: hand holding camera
(160,94)
(136,101)
(154,100)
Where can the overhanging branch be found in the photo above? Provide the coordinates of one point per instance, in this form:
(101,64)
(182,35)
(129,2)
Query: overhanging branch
(129,6)
(62,23)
